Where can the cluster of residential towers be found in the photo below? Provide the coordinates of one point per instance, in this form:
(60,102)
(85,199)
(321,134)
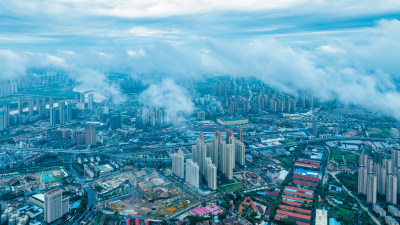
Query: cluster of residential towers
(379,177)
(209,158)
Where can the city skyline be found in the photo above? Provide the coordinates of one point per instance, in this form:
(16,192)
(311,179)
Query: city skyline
(295,45)
(199,112)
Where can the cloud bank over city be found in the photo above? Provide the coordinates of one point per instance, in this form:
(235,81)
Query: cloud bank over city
(169,96)
(344,50)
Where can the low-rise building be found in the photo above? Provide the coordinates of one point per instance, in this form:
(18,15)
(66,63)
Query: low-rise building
(37,199)
(390,220)
(379,210)
(394,211)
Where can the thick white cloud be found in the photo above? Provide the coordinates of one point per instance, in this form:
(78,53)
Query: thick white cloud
(171,97)
(162,8)
(12,65)
(328,48)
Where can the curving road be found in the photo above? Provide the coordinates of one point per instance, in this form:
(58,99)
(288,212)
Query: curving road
(358,200)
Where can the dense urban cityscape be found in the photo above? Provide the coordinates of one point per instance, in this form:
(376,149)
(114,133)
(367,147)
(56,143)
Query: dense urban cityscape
(247,154)
(199,112)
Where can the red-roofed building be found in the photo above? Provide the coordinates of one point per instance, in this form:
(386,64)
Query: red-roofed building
(304,177)
(295,199)
(305,183)
(295,209)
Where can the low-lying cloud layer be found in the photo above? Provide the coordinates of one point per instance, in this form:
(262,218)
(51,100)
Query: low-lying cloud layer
(169,96)
(356,66)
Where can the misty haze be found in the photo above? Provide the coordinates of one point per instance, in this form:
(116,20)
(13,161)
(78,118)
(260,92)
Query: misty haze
(199,112)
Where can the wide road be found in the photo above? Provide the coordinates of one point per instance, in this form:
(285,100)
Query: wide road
(317,140)
(92,199)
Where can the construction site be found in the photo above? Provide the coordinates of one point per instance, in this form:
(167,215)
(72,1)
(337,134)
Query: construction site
(154,198)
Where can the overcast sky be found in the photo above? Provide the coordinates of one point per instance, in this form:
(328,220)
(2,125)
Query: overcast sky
(345,50)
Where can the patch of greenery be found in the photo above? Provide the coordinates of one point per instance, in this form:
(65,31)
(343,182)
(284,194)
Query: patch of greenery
(344,216)
(78,167)
(340,155)
(233,187)
(350,180)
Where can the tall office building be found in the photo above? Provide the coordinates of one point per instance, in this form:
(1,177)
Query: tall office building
(201,136)
(229,133)
(178,164)
(51,101)
(391,189)
(232,141)
(221,156)
(371,188)
(315,128)
(362,180)
(90,136)
(82,98)
(30,107)
(55,206)
(20,106)
(4,116)
(397,174)
(229,161)
(214,153)
(42,108)
(240,152)
(370,165)
(381,178)
(389,166)
(363,159)
(321,217)
(192,173)
(159,118)
(91,101)
(199,155)
(218,135)
(61,111)
(240,134)
(396,158)
(211,174)
(68,116)
(53,116)
(37,104)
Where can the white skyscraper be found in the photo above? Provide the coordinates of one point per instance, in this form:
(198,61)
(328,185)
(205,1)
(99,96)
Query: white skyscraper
(4,116)
(240,152)
(199,155)
(391,189)
(91,100)
(321,217)
(221,156)
(54,205)
(61,108)
(178,164)
(192,173)
(211,175)
(372,188)
(229,160)
(214,154)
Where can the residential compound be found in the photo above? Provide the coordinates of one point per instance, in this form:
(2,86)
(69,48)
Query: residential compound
(379,176)
(216,156)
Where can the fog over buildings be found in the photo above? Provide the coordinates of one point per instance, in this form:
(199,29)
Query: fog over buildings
(199,112)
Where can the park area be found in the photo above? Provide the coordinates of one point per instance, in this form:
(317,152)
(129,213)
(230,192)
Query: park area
(344,156)
(379,132)
(233,187)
